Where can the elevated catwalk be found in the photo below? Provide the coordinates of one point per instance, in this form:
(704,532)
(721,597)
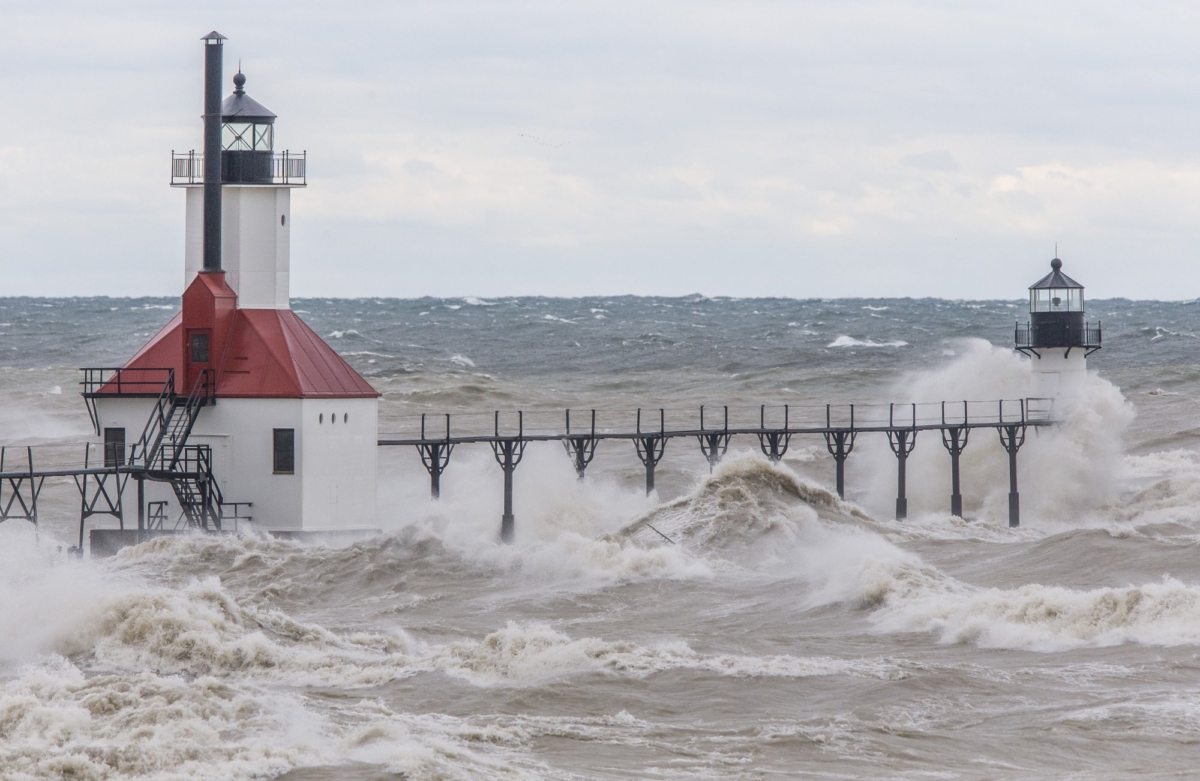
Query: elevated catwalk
(435,437)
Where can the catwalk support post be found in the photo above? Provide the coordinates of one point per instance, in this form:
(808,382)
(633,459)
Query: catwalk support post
(435,455)
(902,441)
(840,444)
(773,443)
(650,447)
(955,439)
(508,452)
(714,444)
(580,447)
(23,486)
(101,492)
(1012,436)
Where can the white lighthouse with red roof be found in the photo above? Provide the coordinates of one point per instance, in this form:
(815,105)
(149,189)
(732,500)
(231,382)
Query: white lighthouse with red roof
(286,429)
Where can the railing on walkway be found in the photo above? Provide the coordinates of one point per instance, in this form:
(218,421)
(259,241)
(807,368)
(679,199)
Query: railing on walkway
(540,425)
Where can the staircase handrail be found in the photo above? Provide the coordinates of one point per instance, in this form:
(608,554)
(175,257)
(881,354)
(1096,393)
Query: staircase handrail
(196,486)
(165,398)
(203,391)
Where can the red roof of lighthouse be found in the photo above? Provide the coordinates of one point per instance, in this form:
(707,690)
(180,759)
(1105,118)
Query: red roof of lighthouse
(256,353)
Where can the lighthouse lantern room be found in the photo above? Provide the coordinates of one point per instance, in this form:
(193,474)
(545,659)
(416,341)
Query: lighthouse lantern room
(1057,337)
(237,408)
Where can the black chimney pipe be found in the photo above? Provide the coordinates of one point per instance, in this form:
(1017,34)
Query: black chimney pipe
(214,48)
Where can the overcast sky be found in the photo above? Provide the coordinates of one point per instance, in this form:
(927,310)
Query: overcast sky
(805,149)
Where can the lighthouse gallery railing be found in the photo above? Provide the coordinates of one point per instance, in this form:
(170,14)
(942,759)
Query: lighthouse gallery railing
(286,168)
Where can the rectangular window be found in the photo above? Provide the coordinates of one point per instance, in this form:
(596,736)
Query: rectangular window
(285,451)
(114,447)
(199,348)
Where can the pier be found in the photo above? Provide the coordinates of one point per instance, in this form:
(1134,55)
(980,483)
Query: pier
(100,471)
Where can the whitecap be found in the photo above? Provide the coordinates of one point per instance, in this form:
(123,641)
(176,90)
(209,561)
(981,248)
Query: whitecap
(850,341)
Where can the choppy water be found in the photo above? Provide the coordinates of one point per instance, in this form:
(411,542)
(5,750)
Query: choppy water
(783,633)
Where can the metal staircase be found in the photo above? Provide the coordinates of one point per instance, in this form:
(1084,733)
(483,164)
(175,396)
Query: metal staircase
(170,423)
(188,468)
(191,477)
(162,452)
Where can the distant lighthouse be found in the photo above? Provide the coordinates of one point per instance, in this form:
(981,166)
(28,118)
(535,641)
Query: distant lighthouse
(1057,337)
(242,410)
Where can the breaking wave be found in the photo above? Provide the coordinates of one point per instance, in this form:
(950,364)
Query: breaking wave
(754,512)
(535,652)
(1032,617)
(747,511)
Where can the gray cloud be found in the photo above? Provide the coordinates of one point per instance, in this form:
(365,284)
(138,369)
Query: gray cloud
(932,161)
(806,149)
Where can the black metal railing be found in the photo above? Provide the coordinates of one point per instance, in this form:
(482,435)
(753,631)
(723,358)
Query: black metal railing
(106,382)
(1027,336)
(125,382)
(286,168)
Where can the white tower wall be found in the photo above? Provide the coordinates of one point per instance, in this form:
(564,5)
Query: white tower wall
(1058,372)
(255,242)
(338,452)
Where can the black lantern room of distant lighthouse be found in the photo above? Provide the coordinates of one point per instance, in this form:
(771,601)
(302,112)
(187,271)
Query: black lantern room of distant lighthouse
(1056,336)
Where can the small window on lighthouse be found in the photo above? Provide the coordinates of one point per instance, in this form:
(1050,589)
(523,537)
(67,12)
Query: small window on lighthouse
(283,219)
(346,417)
(199,348)
(285,451)
(114,447)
